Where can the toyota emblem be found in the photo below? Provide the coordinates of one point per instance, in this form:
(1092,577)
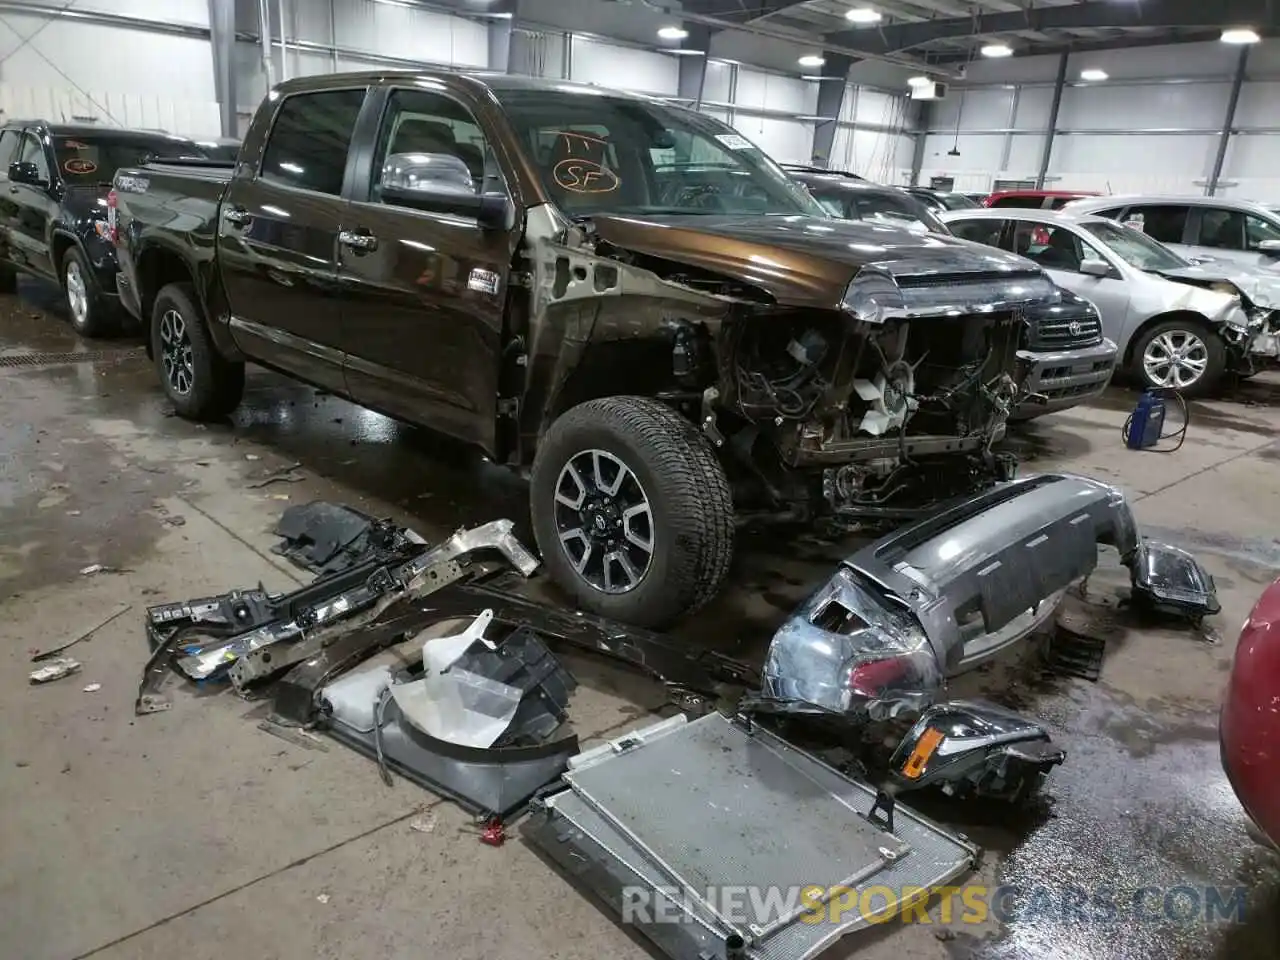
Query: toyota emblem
(1075,327)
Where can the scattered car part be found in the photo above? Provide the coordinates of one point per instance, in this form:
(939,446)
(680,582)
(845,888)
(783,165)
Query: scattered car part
(938,597)
(681,666)
(1169,580)
(55,669)
(656,821)
(493,833)
(326,537)
(358,711)
(242,631)
(974,749)
(55,651)
(1074,655)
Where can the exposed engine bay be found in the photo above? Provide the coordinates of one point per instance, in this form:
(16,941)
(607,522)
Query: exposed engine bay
(876,405)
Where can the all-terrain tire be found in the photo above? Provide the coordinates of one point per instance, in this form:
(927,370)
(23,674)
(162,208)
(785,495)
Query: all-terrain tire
(1215,352)
(209,386)
(688,494)
(91,314)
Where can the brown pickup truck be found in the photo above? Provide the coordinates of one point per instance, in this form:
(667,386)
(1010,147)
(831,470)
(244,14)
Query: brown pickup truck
(627,297)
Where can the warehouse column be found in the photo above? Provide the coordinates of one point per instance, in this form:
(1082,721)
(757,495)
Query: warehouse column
(923,120)
(222,38)
(1227,124)
(693,68)
(500,27)
(831,88)
(1053,119)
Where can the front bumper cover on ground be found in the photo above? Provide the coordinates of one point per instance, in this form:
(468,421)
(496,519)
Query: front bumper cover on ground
(937,597)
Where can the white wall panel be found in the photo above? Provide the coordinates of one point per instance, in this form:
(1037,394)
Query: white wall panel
(626,68)
(787,141)
(410,33)
(194,12)
(1034,106)
(66,54)
(1259,105)
(1113,106)
(538,54)
(883,157)
(188,118)
(1252,168)
(768,91)
(717,86)
(1025,152)
(1119,163)
(982,109)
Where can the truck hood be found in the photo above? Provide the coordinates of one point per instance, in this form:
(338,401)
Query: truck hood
(810,262)
(1258,287)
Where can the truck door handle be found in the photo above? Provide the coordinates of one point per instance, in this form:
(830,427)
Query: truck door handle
(358,241)
(237,216)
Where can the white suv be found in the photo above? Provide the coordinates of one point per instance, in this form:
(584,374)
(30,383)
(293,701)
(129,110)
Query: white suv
(1200,228)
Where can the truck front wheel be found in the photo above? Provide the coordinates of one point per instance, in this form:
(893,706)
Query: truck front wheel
(632,510)
(200,382)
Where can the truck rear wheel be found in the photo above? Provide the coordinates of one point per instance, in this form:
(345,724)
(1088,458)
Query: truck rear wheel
(199,381)
(632,510)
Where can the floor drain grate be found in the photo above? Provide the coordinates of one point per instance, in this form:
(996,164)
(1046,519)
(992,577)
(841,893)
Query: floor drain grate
(83,356)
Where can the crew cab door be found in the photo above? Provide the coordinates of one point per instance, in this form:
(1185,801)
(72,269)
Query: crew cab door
(278,238)
(424,292)
(34,208)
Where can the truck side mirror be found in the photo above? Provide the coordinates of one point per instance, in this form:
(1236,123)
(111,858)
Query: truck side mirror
(441,183)
(26,172)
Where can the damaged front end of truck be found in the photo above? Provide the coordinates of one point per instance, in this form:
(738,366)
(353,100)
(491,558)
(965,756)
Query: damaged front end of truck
(835,371)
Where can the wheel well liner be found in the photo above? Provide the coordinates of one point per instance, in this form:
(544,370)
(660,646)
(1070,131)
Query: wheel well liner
(157,268)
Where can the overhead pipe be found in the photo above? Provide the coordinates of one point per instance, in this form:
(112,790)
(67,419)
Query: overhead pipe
(264,34)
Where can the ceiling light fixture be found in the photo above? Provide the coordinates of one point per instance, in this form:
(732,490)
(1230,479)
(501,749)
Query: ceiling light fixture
(997,50)
(683,52)
(811,60)
(1093,75)
(673,33)
(1240,35)
(919,82)
(863,15)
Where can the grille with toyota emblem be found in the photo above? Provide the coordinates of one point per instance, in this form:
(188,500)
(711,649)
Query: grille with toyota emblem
(1065,334)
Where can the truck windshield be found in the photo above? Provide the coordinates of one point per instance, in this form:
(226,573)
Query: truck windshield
(602,154)
(1135,247)
(89,159)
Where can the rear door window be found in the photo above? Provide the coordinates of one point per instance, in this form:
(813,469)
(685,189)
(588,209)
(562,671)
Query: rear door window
(1220,229)
(308,144)
(1023,203)
(1166,223)
(982,231)
(8,150)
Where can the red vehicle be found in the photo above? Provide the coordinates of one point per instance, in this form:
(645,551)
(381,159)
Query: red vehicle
(1036,199)
(1249,725)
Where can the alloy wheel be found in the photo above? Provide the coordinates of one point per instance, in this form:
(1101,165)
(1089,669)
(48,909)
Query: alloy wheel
(77,294)
(1175,358)
(605,521)
(175,353)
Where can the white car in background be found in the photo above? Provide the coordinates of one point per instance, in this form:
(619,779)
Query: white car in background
(1199,228)
(1176,325)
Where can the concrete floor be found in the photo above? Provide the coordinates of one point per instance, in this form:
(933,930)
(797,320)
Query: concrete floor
(192,833)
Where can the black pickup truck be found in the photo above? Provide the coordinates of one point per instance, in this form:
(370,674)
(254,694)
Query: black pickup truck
(626,297)
(54,179)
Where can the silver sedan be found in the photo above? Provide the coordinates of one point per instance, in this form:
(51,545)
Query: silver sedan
(1181,333)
